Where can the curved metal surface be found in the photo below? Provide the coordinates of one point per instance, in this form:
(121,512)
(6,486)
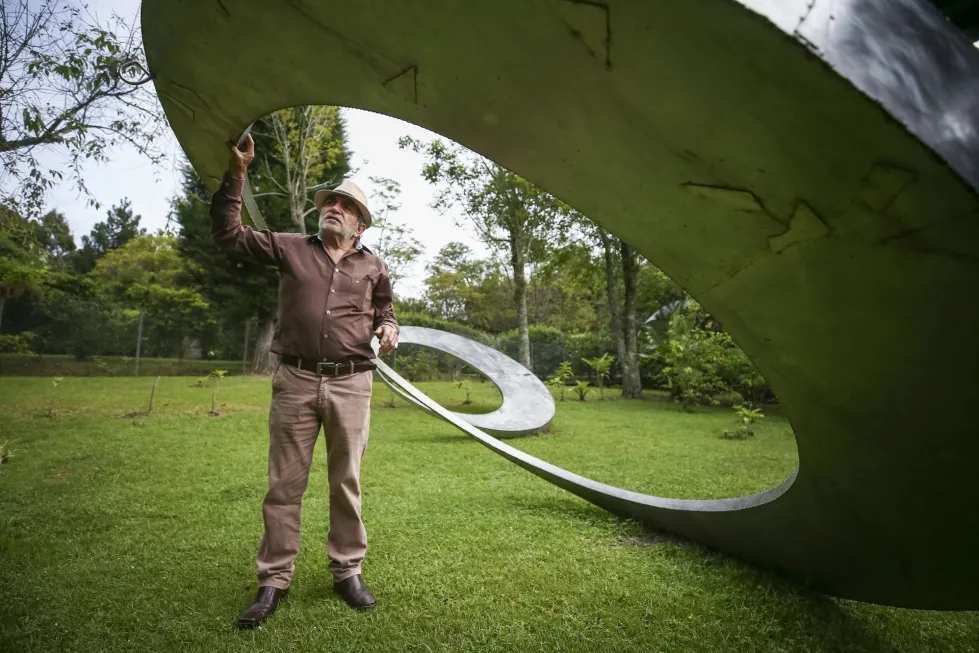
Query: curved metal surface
(527,404)
(814,189)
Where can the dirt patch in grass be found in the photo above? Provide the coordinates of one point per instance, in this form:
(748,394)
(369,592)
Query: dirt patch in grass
(57,475)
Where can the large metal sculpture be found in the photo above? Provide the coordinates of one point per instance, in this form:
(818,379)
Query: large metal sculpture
(527,407)
(808,173)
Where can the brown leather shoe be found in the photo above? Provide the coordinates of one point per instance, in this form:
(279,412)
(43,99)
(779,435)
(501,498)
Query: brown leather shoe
(262,607)
(355,593)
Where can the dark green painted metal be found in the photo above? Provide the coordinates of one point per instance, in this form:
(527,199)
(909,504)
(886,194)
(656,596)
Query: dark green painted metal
(838,249)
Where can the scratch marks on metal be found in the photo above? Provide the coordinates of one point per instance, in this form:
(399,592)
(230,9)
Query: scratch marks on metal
(884,184)
(733,198)
(804,225)
(405,84)
(376,60)
(180,103)
(196,94)
(590,23)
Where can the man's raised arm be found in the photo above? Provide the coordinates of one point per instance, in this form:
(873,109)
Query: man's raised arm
(227,232)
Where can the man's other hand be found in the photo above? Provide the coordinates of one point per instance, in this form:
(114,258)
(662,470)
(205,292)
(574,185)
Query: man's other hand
(240,159)
(388,336)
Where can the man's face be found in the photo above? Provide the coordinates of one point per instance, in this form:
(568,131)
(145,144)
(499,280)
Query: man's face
(339,216)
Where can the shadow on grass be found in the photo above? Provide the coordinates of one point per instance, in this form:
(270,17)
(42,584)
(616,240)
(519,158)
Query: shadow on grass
(801,612)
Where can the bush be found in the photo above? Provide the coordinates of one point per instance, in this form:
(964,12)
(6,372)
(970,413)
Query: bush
(700,363)
(451,326)
(548,348)
(16,343)
(588,345)
(418,364)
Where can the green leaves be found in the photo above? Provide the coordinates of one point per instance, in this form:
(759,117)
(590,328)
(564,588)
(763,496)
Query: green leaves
(60,76)
(582,389)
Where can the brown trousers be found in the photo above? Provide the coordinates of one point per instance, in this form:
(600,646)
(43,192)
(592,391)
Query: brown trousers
(301,403)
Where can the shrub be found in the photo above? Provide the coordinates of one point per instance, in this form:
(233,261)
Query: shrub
(548,348)
(600,366)
(560,378)
(587,345)
(420,364)
(465,385)
(745,416)
(442,324)
(582,388)
(699,362)
(216,376)
(16,343)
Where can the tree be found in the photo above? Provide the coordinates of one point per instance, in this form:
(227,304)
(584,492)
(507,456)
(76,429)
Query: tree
(21,270)
(74,317)
(394,243)
(618,333)
(452,284)
(72,86)
(53,235)
(145,273)
(119,227)
(631,384)
(511,215)
(564,290)
(298,150)
(16,279)
(237,289)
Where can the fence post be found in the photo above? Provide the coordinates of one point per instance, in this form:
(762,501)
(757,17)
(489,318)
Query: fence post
(139,341)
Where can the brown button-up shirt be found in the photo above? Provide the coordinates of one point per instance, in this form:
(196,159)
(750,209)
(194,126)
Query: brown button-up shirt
(327,311)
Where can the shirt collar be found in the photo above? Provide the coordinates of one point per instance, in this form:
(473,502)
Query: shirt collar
(358,245)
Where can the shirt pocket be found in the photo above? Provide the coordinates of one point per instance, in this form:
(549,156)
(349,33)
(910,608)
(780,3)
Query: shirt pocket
(361,292)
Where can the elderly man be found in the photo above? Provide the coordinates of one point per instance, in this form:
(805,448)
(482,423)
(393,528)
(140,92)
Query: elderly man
(333,295)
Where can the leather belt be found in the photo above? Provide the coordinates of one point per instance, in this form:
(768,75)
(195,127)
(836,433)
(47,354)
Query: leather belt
(328,368)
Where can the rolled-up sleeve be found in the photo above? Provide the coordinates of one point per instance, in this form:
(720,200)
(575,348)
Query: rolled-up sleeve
(229,234)
(383,301)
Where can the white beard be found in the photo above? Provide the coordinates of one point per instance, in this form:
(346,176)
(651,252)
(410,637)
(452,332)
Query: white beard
(333,228)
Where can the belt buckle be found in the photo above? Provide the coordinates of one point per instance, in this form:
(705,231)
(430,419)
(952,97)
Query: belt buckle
(336,367)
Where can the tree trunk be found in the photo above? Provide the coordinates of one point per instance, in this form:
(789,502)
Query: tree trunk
(613,305)
(3,300)
(263,360)
(244,349)
(631,384)
(520,299)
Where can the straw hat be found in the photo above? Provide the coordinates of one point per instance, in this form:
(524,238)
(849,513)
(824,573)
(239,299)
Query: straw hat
(347,189)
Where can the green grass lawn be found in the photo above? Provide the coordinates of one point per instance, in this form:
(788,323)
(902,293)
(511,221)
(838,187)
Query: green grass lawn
(139,534)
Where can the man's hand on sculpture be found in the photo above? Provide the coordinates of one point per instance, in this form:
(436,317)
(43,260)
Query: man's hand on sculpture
(240,159)
(388,336)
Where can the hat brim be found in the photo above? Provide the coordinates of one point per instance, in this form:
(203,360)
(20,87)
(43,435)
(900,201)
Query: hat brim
(321,196)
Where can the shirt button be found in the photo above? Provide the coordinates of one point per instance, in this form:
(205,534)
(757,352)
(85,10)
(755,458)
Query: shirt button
(326,335)
(328,312)
(332,290)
